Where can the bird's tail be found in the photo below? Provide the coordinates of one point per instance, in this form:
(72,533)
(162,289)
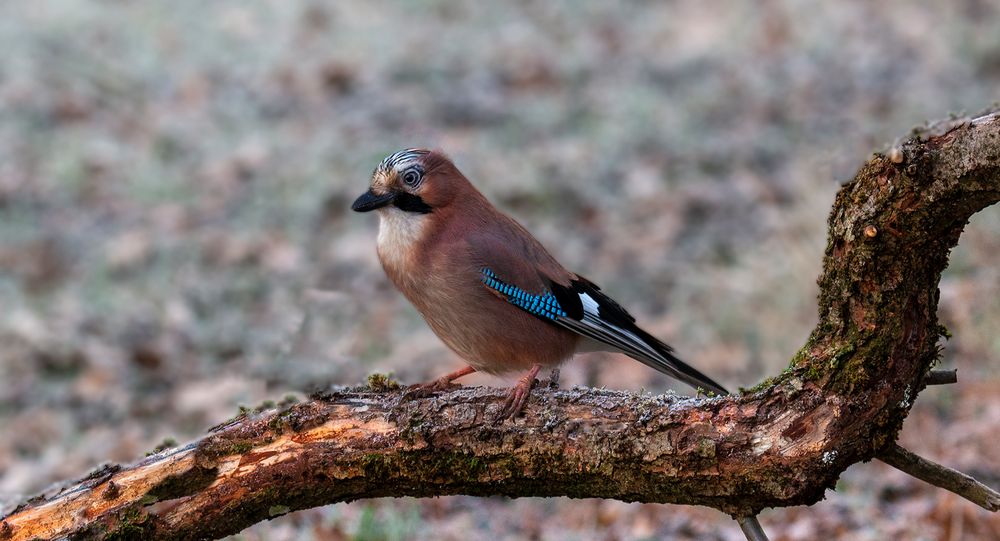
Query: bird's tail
(666,362)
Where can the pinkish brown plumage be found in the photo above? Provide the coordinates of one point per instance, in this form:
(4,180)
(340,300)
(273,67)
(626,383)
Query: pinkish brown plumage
(486,286)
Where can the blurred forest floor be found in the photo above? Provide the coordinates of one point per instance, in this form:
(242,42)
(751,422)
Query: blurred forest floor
(175,238)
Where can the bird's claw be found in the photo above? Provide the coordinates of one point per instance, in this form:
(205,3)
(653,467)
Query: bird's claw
(516,399)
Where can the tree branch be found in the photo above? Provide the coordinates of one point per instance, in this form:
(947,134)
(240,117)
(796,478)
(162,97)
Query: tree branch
(842,400)
(941,377)
(752,529)
(941,476)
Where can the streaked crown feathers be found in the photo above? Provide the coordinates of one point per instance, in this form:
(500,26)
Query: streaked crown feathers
(399,160)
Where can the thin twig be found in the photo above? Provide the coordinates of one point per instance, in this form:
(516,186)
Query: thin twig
(752,529)
(941,476)
(553,382)
(941,377)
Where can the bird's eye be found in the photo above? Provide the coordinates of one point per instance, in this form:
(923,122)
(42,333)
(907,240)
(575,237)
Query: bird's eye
(411,177)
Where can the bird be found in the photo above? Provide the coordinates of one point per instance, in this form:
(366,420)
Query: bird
(488,288)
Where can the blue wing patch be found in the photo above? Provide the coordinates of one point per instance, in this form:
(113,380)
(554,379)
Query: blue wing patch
(545,305)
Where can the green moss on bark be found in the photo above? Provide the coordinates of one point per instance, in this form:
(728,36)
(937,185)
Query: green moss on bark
(133,524)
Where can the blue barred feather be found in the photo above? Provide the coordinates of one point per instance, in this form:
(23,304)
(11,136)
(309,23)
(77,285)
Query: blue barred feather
(544,305)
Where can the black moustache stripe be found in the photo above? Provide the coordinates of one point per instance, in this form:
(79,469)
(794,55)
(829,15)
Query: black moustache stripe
(411,203)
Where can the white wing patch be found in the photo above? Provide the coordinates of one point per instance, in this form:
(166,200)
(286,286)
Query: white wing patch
(590,306)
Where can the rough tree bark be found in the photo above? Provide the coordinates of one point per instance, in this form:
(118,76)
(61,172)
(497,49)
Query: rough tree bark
(841,401)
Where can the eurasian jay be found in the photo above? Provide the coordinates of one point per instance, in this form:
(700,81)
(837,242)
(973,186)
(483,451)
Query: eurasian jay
(488,288)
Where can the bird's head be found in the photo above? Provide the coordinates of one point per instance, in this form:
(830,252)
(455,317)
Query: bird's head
(413,190)
(414,180)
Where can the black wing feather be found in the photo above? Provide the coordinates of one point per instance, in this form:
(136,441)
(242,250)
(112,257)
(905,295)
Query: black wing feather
(614,326)
(582,308)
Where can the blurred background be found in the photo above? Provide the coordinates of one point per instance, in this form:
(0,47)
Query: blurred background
(176,240)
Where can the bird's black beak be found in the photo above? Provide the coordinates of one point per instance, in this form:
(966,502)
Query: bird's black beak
(371,201)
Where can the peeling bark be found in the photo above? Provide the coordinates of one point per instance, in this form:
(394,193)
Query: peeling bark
(842,400)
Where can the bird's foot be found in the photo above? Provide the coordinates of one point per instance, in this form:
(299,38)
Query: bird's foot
(518,396)
(423,390)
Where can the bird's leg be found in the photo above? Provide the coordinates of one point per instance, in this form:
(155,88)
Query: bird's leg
(518,395)
(420,390)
